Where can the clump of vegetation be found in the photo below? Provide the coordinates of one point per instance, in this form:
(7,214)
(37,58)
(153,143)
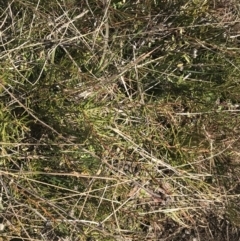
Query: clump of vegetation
(119,120)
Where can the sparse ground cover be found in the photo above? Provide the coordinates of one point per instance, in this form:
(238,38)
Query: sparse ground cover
(119,120)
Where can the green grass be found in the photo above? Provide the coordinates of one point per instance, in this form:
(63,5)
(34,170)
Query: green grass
(119,121)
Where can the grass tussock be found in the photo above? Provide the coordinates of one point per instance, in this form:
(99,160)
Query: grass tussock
(119,120)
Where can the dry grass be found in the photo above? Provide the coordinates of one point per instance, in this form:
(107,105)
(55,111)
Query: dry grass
(119,121)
